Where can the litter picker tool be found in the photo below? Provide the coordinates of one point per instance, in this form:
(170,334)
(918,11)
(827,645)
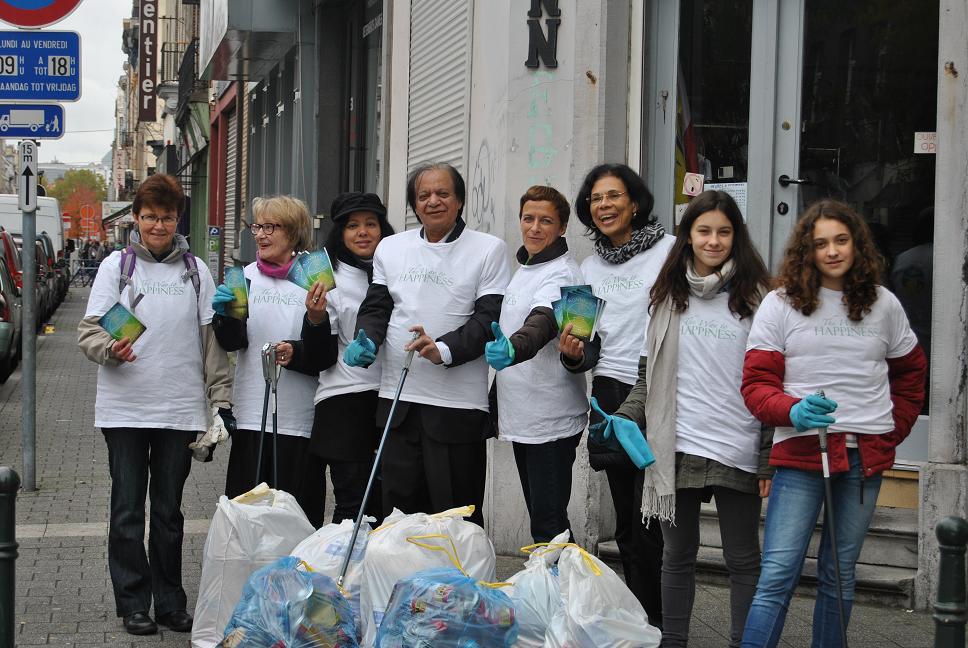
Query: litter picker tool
(270,373)
(828,500)
(376,464)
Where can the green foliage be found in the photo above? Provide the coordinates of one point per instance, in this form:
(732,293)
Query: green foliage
(79,181)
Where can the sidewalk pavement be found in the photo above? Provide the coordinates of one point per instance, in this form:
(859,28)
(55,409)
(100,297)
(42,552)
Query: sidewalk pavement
(64,595)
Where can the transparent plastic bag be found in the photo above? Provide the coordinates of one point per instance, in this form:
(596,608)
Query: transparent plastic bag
(284,605)
(443,608)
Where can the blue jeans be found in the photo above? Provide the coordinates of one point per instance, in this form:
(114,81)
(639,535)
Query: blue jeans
(795,502)
(137,577)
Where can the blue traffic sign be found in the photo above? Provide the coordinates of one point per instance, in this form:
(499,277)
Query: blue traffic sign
(32,121)
(40,66)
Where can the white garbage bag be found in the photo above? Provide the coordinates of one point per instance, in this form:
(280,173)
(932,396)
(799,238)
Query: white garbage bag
(599,610)
(407,544)
(324,550)
(246,533)
(535,592)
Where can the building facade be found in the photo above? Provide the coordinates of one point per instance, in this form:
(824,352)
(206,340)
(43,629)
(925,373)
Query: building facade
(778,103)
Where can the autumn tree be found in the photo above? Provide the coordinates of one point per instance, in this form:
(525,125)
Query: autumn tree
(79,189)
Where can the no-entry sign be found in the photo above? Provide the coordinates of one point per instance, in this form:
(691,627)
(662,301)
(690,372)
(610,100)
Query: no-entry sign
(34,14)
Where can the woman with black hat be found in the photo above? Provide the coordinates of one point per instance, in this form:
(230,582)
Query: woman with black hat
(345,434)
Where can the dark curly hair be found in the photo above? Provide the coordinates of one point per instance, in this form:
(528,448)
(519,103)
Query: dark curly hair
(750,279)
(800,278)
(634,185)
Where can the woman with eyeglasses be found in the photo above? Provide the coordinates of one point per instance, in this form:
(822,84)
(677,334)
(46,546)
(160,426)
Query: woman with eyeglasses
(631,246)
(278,309)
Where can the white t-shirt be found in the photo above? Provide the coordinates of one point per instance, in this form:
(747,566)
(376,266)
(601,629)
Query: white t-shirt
(538,400)
(164,388)
(276,310)
(711,418)
(625,288)
(435,285)
(846,359)
(343,304)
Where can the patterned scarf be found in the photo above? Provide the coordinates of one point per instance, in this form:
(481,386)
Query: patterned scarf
(642,239)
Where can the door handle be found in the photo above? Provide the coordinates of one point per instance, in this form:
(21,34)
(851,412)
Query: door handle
(786,181)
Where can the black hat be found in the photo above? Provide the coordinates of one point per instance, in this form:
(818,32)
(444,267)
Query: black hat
(347,204)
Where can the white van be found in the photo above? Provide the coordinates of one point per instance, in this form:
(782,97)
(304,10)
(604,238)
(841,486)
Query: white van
(48,218)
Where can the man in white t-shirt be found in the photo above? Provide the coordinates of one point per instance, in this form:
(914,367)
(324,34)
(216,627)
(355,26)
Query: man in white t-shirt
(444,284)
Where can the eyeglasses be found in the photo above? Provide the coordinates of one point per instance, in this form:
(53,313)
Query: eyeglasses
(268,228)
(596,199)
(152,220)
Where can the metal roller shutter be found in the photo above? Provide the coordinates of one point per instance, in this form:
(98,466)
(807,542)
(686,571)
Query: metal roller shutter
(440,61)
(231,190)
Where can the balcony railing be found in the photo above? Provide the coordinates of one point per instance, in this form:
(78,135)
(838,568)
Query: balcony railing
(171,59)
(188,81)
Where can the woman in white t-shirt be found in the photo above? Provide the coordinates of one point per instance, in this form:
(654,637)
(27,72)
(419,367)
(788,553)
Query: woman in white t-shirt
(542,409)
(706,443)
(828,326)
(630,248)
(278,309)
(345,433)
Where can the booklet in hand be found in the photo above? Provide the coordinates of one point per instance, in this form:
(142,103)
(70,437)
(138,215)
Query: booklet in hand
(309,268)
(580,308)
(119,322)
(235,281)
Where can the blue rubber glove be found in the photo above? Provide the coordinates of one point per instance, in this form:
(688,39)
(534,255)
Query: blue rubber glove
(812,412)
(361,352)
(223,297)
(629,436)
(500,352)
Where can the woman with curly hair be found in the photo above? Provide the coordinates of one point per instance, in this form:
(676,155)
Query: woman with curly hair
(828,326)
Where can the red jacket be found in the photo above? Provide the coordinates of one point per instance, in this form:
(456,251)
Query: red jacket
(762,389)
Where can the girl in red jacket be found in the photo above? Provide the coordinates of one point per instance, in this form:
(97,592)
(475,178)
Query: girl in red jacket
(829,326)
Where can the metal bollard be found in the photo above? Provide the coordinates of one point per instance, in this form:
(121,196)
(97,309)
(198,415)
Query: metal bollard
(9,484)
(951,607)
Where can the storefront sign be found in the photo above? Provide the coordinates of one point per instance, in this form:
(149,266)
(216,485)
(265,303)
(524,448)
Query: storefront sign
(147,61)
(692,184)
(540,47)
(926,143)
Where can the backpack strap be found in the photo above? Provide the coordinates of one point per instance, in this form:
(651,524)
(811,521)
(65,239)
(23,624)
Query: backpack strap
(191,272)
(128,259)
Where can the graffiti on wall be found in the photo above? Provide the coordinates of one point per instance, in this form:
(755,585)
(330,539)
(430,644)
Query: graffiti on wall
(541,132)
(481,199)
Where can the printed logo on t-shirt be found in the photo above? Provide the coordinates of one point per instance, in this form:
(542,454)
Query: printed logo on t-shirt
(843,327)
(707,328)
(161,287)
(276,296)
(421,274)
(620,283)
(510,299)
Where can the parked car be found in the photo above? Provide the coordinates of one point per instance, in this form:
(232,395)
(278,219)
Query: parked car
(11,255)
(56,270)
(11,320)
(42,285)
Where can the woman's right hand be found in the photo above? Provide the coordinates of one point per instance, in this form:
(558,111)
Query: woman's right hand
(570,346)
(283,353)
(223,297)
(122,350)
(316,303)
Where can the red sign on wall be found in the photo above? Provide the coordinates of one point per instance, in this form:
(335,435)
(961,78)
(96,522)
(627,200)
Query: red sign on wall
(34,14)
(147,61)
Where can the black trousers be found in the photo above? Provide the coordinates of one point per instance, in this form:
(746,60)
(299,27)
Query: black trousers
(639,546)
(545,473)
(424,475)
(300,473)
(134,454)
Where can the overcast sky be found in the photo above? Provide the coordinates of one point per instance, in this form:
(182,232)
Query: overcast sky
(99,24)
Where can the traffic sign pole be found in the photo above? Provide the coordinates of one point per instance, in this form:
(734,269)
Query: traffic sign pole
(27,186)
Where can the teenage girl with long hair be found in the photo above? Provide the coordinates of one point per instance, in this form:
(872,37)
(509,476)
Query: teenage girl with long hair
(829,326)
(705,441)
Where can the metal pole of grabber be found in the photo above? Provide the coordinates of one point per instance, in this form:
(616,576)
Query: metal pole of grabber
(376,465)
(828,501)
(266,372)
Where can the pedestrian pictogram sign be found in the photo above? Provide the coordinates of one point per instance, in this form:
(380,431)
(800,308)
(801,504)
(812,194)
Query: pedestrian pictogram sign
(27,176)
(40,66)
(34,121)
(34,14)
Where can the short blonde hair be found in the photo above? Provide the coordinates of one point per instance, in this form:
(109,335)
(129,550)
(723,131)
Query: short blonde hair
(291,214)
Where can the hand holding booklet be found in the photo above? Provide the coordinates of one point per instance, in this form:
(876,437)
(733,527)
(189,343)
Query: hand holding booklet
(121,323)
(580,308)
(309,268)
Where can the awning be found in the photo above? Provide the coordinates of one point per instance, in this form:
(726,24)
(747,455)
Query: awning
(113,216)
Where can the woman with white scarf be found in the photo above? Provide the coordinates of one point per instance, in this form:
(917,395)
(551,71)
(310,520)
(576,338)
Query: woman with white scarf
(706,443)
